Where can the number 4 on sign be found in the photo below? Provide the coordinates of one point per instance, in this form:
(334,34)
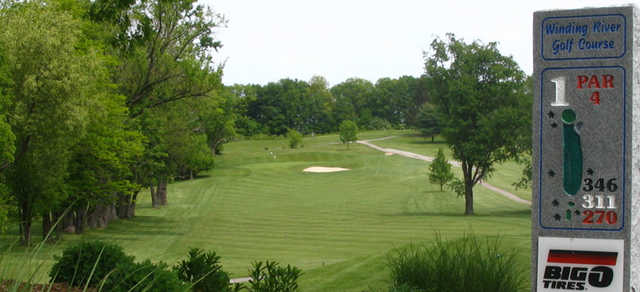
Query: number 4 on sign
(595,97)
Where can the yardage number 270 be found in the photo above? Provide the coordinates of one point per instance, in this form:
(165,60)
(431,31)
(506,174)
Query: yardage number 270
(599,202)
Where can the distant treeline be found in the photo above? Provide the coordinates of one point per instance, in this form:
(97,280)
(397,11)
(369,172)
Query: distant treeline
(314,108)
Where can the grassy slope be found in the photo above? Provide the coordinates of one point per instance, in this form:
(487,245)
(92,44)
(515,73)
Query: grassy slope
(337,227)
(505,175)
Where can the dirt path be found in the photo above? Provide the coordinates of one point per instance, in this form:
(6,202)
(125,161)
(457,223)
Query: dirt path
(452,162)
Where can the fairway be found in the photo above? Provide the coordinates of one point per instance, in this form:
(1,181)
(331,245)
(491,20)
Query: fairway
(257,204)
(504,176)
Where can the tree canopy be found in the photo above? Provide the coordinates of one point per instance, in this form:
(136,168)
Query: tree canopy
(101,99)
(484,104)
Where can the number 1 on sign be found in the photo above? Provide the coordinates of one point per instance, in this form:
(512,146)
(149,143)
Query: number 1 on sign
(560,91)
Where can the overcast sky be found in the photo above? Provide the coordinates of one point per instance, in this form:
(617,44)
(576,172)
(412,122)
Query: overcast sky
(267,40)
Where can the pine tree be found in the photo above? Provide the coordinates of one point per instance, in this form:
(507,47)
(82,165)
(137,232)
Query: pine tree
(440,170)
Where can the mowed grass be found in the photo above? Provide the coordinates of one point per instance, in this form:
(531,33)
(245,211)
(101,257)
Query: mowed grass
(257,204)
(505,175)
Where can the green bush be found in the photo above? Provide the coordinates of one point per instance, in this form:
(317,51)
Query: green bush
(377,123)
(77,262)
(466,264)
(203,271)
(144,276)
(295,139)
(271,277)
(348,132)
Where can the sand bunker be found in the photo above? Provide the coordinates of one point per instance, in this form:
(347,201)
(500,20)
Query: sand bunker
(324,169)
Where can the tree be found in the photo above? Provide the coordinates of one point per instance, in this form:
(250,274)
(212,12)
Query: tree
(165,50)
(99,163)
(295,139)
(428,121)
(216,119)
(393,99)
(320,105)
(526,159)
(485,107)
(7,139)
(352,99)
(52,76)
(440,170)
(348,132)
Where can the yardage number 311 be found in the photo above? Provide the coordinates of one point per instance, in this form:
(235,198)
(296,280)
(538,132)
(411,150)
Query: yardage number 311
(599,202)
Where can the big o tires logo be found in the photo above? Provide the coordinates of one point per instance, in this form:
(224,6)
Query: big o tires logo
(587,268)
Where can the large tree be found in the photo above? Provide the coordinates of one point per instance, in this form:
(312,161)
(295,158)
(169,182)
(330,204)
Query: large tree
(319,106)
(352,99)
(52,77)
(165,49)
(427,121)
(484,105)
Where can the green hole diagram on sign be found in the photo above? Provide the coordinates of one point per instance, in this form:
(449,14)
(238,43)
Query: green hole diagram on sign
(571,153)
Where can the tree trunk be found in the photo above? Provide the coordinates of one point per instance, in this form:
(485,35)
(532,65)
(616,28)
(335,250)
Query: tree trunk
(46,225)
(126,207)
(155,203)
(433,137)
(468,197)
(58,224)
(25,223)
(80,220)
(92,219)
(102,212)
(162,192)
(131,208)
(99,218)
(112,213)
(67,223)
(49,220)
(123,206)
(26,232)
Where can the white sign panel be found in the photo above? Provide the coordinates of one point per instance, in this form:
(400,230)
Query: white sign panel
(580,264)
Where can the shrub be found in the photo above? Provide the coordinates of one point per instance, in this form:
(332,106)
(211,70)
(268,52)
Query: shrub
(348,132)
(77,262)
(204,271)
(271,277)
(144,276)
(466,264)
(377,123)
(295,139)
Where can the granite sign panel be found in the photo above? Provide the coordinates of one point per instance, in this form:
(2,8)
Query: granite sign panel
(585,129)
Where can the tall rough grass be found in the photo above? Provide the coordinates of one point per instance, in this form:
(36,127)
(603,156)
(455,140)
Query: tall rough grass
(466,264)
(21,275)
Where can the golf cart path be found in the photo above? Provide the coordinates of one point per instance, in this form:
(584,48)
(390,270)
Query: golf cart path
(502,192)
